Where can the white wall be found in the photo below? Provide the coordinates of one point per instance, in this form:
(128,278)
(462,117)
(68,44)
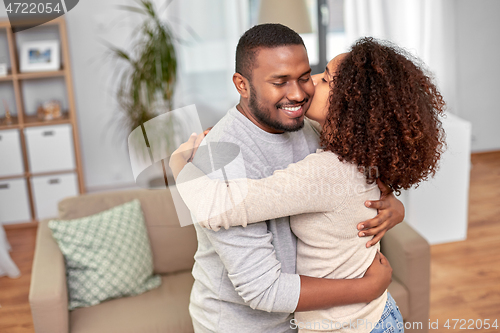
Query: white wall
(478,50)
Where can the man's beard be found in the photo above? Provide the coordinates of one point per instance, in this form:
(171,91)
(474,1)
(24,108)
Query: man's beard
(264,116)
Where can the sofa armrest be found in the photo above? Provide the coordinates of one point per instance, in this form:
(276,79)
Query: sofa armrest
(48,295)
(409,255)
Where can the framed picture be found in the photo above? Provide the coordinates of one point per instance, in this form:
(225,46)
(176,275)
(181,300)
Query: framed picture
(3,69)
(40,56)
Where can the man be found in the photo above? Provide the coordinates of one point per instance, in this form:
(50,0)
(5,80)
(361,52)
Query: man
(245,278)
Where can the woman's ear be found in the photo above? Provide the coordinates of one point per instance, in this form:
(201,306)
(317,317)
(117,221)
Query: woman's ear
(242,85)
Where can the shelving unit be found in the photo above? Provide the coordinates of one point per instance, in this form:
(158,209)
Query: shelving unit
(23,121)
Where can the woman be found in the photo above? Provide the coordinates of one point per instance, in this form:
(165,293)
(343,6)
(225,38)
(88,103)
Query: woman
(378,112)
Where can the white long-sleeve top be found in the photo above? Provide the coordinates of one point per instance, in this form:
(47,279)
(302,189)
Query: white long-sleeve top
(325,198)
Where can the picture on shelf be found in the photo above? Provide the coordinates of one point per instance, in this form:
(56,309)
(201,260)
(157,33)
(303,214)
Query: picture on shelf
(3,69)
(40,56)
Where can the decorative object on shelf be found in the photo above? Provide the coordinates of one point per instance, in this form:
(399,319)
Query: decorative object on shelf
(147,86)
(40,56)
(8,117)
(49,110)
(3,69)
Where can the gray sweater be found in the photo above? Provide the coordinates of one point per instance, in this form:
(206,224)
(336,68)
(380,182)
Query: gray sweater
(245,278)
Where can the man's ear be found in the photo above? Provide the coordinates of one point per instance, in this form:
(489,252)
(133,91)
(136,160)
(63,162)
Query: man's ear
(242,85)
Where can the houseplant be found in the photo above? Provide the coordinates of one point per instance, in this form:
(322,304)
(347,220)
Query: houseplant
(146,86)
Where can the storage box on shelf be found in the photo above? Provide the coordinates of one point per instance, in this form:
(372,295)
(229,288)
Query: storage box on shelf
(41,161)
(49,190)
(11,163)
(14,201)
(50,148)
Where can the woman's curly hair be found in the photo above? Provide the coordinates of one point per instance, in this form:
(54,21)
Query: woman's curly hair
(384,115)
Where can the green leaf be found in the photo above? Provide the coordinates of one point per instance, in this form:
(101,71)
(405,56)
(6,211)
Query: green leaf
(132,9)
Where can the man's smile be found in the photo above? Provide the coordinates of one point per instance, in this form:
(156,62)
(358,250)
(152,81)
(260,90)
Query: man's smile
(293,111)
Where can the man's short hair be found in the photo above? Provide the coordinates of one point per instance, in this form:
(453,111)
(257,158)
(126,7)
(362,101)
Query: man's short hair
(268,35)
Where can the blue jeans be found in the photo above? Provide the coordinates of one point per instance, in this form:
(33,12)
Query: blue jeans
(391,320)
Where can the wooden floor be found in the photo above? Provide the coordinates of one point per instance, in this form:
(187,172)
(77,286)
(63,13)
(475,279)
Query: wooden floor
(15,313)
(465,276)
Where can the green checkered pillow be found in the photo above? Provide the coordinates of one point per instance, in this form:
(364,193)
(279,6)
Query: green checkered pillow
(107,255)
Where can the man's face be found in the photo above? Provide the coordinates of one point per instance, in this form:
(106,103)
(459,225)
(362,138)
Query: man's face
(281,88)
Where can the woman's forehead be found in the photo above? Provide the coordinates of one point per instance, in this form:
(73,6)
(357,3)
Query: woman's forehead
(335,62)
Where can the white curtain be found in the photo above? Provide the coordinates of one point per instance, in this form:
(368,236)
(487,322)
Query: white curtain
(427,29)
(7,266)
(210,30)
(424,27)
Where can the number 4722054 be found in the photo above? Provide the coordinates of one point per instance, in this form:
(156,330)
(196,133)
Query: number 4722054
(32,8)
(471,324)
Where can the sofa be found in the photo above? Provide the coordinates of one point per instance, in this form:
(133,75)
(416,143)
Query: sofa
(165,309)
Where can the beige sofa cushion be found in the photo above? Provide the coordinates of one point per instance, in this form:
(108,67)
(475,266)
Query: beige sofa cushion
(162,310)
(173,246)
